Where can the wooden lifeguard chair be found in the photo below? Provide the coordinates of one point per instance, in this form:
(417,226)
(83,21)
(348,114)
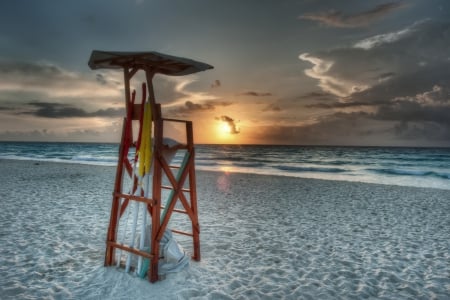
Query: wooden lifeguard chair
(159,210)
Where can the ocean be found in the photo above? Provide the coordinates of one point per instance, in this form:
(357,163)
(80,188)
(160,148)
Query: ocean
(419,167)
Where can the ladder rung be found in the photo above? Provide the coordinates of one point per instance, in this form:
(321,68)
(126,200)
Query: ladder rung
(166,187)
(130,249)
(135,198)
(177,210)
(182,232)
(175,120)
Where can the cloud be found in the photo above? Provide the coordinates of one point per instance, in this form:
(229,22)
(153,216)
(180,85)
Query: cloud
(359,128)
(340,104)
(272,107)
(182,93)
(385,76)
(255,94)
(190,107)
(416,131)
(231,123)
(317,96)
(216,84)
(390,37)
(335,129)
(6,108)
(101,79)
(195,106)
(339,19)
(51,81)
(409,60)
(423,117)
(406,94)
(429,106)
(329,82)
(60,110)
(87,135)
(406,84)
(406,111)
(437,96)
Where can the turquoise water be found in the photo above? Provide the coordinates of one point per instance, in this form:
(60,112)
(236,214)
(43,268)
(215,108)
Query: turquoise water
(422,167)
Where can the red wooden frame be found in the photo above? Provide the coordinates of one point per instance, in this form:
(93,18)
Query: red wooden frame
(161,166)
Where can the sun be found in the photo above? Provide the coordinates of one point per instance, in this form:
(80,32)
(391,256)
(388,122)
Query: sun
(225,128)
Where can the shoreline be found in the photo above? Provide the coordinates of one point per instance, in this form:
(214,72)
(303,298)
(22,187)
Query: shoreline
(43,162)
(261,237)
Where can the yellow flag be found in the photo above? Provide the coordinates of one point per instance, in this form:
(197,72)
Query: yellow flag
(145,148)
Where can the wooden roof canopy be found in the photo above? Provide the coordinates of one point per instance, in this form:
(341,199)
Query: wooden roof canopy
(150,61)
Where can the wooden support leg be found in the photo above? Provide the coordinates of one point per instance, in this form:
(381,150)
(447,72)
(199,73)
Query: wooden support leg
(193,193)
(156,212)
(195,223)
(114,216)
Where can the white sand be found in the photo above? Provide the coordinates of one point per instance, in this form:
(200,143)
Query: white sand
(262,237)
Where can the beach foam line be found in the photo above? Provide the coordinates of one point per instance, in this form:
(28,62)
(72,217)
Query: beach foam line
(309,169)
(411,173)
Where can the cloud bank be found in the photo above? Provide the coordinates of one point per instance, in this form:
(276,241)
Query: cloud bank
(396,81)
(61,111)
(339,19)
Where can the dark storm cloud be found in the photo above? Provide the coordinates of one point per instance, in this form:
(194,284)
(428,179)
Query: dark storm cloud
(30,70)
(419,81)
(108,113)
(339,19)
(36,79)
(216,84)
(424,116)
(272,107)
(426,125)
(191,107)
(340,104)
(406,111)
(404,80)
(417,131)
(54,110)
(50,135)
(430,106)
(379,68)
(231,123)
(255,94)
(59,111)
(346,128)
(317,96)
(334,129)
(101,79)
(384,76)
(6,108)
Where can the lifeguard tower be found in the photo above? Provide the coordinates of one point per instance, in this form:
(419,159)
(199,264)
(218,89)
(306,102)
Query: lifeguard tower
(139,177)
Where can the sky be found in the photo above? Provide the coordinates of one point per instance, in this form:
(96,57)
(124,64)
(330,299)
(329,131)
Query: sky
(297,72)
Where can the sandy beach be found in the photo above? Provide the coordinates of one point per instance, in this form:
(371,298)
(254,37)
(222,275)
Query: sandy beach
(262,237)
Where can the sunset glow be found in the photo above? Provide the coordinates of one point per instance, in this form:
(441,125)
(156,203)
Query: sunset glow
(225,128)
(313,77)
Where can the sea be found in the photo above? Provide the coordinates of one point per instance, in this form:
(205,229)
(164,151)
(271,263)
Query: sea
(418,167)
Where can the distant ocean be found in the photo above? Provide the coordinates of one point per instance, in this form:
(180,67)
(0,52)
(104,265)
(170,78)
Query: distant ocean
(420,167)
